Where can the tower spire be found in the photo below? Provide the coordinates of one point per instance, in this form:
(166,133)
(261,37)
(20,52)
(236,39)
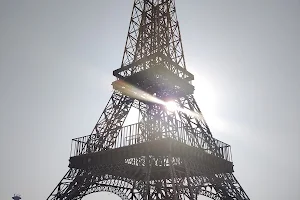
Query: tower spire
(153,28)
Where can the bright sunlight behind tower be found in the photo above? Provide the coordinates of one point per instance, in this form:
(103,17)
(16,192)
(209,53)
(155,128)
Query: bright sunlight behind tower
(171,106)
(137,93)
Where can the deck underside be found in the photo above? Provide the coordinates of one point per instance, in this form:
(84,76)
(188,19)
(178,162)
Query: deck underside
(130,161)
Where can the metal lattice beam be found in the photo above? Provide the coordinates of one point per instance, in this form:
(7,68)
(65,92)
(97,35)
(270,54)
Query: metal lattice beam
(153,28)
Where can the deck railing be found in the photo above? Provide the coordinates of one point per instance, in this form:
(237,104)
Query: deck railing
(139,133)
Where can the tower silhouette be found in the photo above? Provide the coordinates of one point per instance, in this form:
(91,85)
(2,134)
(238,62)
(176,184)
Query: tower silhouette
(170,152)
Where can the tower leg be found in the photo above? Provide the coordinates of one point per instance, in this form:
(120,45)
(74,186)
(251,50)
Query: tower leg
(112,118)
(78,183)
(197,125)
(71,186)
(229,187)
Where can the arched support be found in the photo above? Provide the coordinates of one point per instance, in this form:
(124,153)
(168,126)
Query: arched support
(121,188)
(110,189)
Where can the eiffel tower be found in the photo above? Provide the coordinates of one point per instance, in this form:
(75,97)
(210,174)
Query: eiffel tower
(169,153)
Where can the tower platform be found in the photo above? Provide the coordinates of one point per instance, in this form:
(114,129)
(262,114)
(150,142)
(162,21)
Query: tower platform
(131,159)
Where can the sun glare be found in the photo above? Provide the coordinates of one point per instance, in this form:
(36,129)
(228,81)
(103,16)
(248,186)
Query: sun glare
(134,92)
(171,106)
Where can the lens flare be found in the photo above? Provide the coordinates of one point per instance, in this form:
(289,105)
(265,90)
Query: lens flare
(139,94)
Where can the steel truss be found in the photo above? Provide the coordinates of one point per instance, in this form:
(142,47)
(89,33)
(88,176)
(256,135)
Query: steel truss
(153,28)
(167,154)
(176,184)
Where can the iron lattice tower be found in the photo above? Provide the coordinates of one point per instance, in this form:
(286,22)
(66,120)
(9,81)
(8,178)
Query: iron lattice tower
(167,154)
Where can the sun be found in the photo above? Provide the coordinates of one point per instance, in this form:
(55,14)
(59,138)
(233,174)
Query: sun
(171,106)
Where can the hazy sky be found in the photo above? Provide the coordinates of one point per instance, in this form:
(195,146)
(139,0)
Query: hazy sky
(56,63)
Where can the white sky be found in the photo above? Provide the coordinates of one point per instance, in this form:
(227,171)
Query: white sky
(56,63)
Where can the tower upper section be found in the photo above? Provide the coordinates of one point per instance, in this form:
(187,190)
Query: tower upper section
(153,28)
(153,58)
